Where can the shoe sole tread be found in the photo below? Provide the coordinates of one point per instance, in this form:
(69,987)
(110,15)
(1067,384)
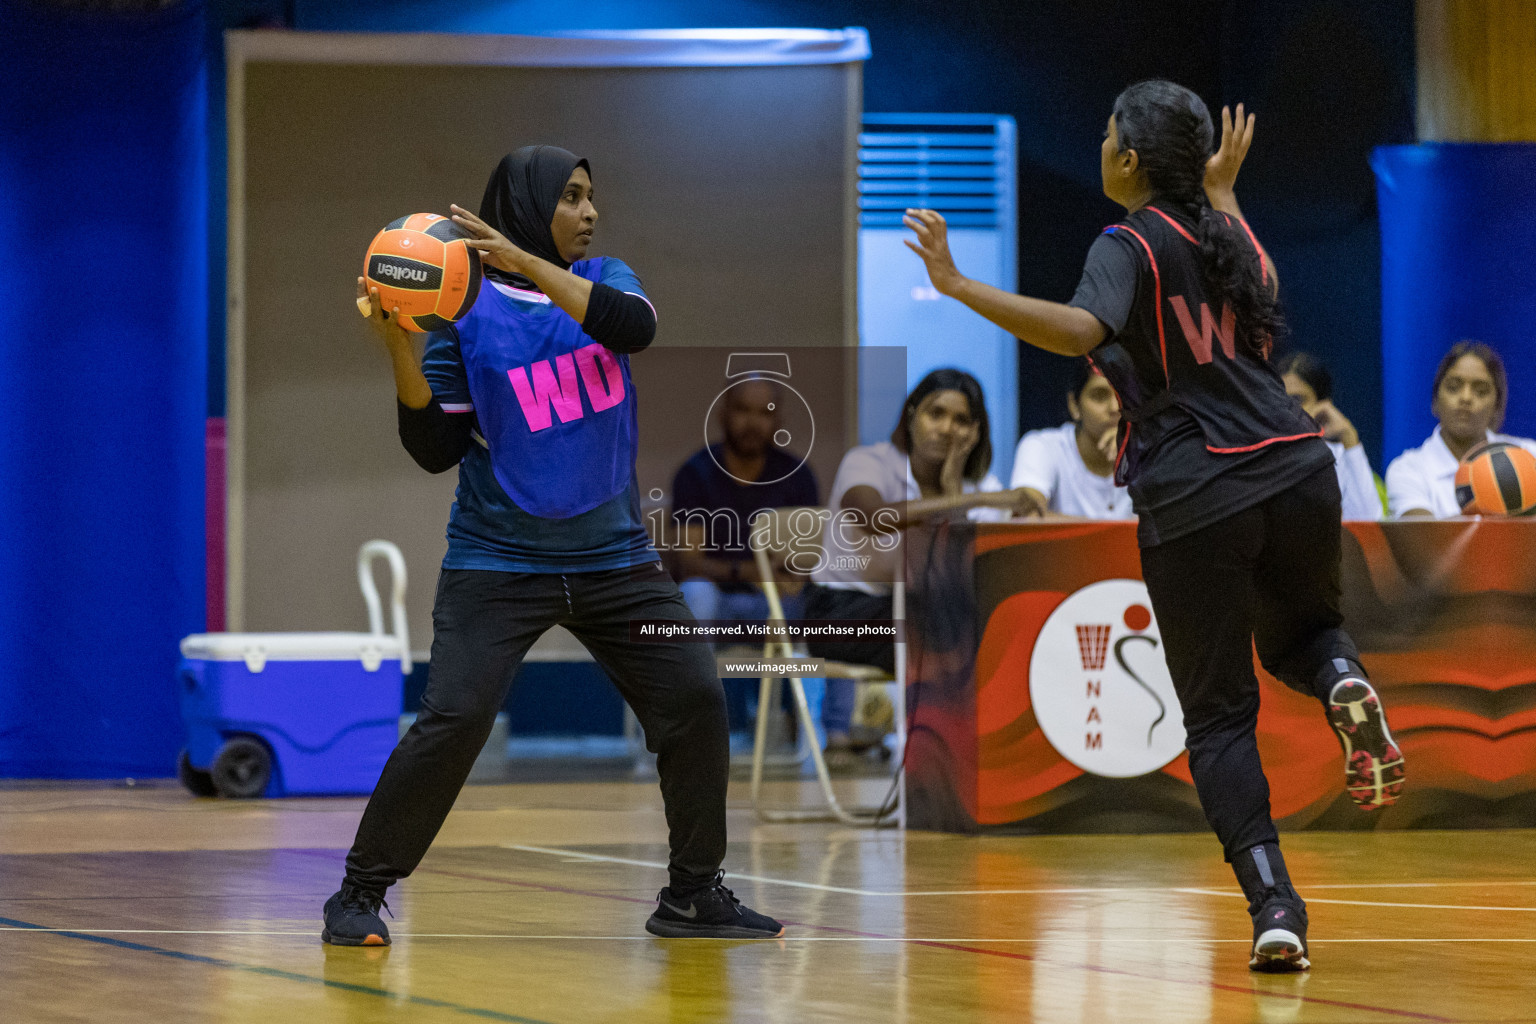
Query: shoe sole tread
(1279,950)
(1373,762)
(341,940)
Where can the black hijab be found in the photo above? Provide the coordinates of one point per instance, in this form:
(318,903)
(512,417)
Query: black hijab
(521,198)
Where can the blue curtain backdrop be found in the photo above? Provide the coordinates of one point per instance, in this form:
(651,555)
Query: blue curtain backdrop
(104,268)
(1458,240)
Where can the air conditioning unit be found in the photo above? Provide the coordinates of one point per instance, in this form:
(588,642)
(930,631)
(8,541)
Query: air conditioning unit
(962,165)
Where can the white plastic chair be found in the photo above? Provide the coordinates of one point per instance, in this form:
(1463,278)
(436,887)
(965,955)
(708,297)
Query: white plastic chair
(365,556)
(767,537)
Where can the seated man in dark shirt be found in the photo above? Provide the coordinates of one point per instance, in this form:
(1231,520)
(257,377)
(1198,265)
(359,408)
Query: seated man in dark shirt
(714,497)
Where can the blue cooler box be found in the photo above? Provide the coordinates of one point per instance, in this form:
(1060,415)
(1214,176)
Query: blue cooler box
(288,714)
(291,714)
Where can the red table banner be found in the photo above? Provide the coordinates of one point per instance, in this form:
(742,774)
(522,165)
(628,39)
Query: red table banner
(1039,700)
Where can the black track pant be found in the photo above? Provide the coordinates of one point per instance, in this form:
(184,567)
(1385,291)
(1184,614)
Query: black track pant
(1267,577)
(484,623)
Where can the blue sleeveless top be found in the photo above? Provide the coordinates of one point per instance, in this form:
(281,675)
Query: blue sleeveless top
(549,485)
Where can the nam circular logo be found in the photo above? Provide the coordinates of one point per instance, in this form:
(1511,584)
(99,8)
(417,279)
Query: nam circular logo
(1099,685)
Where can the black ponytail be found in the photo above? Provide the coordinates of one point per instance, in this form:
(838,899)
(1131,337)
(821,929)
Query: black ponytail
(1170,129)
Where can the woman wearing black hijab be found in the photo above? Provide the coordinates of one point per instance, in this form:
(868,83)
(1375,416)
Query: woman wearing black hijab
(530,396)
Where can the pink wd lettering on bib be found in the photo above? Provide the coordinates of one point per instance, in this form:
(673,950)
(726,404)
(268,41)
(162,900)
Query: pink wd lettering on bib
(556,408)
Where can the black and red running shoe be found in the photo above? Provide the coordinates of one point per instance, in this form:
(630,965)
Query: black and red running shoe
(1373,763)
(1279,932)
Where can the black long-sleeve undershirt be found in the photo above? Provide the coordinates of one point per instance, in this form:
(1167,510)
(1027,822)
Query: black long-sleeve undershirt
(618,320)
(438,440)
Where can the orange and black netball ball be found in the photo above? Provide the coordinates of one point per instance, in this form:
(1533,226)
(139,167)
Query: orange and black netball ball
(1497,479)
(421,264)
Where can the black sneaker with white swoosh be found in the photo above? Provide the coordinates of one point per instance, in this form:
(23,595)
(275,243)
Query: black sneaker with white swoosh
(712,912)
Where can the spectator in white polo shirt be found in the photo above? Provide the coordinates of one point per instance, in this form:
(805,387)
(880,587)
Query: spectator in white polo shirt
(1308,381)
(1468,398)
(1070,470)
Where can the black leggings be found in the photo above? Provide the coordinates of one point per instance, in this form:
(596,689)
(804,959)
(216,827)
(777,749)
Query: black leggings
(484,623)
(1265,578)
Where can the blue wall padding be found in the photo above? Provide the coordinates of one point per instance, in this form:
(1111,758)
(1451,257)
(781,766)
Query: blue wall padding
(1458,241)
(103,261)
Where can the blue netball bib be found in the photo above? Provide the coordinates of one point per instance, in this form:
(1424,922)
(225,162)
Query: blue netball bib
(556,408)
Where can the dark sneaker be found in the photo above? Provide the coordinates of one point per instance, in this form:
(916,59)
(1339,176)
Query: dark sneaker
(352,918)
(839,754)
(712,912)
(1279,932)
(1373,764)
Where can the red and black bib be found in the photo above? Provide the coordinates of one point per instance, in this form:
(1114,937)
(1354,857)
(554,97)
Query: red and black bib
(1182,347)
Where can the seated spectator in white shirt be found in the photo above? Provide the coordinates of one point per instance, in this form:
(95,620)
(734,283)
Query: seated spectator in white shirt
(1070,470)
(1309,382)
(1468,398)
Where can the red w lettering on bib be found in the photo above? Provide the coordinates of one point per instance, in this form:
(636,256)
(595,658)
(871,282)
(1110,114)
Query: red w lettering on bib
(1200,340)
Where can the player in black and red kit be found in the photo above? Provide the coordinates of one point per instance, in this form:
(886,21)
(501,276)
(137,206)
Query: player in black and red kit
(1235,490)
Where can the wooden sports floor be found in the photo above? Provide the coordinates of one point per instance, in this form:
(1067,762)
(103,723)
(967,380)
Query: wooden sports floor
(144,904)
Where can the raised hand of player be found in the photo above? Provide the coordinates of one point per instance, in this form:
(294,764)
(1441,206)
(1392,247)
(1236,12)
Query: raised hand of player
(494,247)
(410,385)
(1221,169)
(385,323)
(933,246)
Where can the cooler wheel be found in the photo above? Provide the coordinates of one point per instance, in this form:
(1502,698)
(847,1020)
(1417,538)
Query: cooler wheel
(242,768)
(197,781)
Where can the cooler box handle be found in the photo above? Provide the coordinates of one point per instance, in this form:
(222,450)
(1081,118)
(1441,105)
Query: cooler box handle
(365,556)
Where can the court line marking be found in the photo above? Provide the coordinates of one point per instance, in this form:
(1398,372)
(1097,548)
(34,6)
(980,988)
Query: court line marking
(1421,885)
(795,883)
(1059,891)
(1370,903)
(603,858)
(278,973)
(856,935)
(1187,890)
(1247,990)
(86,929)
(1053,940)
(959,947)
